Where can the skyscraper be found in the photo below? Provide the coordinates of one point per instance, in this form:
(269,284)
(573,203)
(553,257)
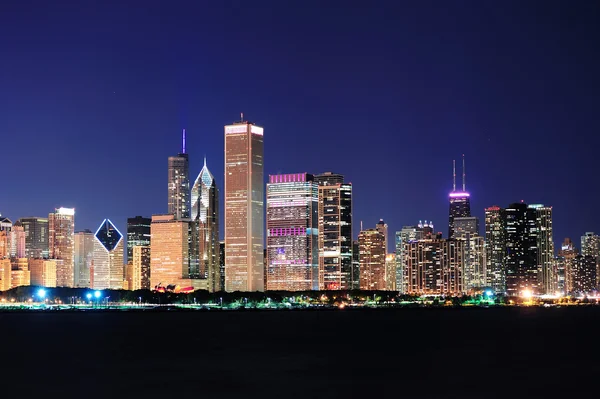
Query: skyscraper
(292,233)
(382,227)
(521,250)
(244,207)
(5,274)
(583,275)
(107,270)
(17,241)
(545,248)
(140,268)
(61,244)
(36,236)
(372,260)
(466,225)
(43,272)
(590,246)
(138,233)
(335,232)
(179,184)
(495,248)
(84,257)
(566,259)
(403,237)
(205,215)
(460,203)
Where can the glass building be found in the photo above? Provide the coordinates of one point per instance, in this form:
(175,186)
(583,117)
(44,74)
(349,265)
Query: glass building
(372,257)
(138,233)
(107,270)
(495,248)
(179,185)
(545,248)
(244,207)
(292,233)
(521,249)
(61,244)
(84,256)
(460,202)
(403,237)
(36,237)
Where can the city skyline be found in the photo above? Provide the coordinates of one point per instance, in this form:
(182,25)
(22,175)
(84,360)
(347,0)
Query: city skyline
(429,105)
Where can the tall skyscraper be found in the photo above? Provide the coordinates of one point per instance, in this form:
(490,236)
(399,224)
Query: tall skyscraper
(566,257)
(382,227)
(403,237)
(179,184)
(335,232)
(545,248)
(61,244)
(521,250)
(17,241)
(222,265)
(371,243)
(139,277)
(460,202)
(5,274)
(244,207)
(590,246)
(390,272)
(292,233)
(36,236)
(495,248)
(583,275)
(107,267)
(466,225)
(84,257)
(205,215)
(138,233)
(355,278)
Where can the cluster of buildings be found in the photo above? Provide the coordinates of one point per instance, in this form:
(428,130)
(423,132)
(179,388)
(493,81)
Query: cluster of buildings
(305,243)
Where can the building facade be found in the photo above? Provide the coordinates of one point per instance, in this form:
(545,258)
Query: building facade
(84,257)
(43,272)
(335,232)
(179,184)
(244,207)
(495,248)
(403,237)
(139,276)
(138,233)
(107,271)
(292,233)
(545,248)
(460,201)
(372,259)
(36,237)
(61,244)
(521,250)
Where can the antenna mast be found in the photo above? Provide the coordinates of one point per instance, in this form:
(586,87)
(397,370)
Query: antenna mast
(464,175)
(453,175)
(183,141)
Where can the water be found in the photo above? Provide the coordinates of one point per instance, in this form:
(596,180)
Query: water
(408,353)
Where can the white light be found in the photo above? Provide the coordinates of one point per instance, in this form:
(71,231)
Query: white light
(66,211)
(257,130)
(527,294)
(236,129)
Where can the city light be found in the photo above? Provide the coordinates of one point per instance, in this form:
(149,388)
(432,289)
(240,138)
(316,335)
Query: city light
(89,296)
(489,293)
(41,293)
(97,294)
(527,294)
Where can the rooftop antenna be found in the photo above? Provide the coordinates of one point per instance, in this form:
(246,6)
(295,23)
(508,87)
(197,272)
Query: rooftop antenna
(205,160)
(361,229)
(453,175)
(183,141)
(242,116)
(464,175)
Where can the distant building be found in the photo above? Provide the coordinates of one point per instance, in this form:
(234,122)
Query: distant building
(355,274)
(372,260)
(292,233)
(590,246)
(244,207)
(61,244)
(107,265)
(521,250)
(138,276)
(466,225)
(17,240)
(335,232)
(179,185)
(403,237)
(20,274)
(382,227)
(566,256)
(222,264)
(5,274)
(460,202)
(43,272)
(36,236)
(545,249)
(583,275)
(138,233)
(84,256)
(390,272)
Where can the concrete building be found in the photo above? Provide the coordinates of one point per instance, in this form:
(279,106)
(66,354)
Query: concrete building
(43,272)
(372,259)
(36,236)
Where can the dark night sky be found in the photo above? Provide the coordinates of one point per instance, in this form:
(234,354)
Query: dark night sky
(94,94)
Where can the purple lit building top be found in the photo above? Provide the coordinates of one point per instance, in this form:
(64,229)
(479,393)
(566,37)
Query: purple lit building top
(290,178)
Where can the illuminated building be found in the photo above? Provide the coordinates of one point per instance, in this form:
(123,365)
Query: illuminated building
(138,233)
(205,214)
(5,274)
(4,244)
(355,266)
(36,236)
(495,248)
(433,265)
(61,244)
(390,272)
(403,237)
(545,248)
(590,246)
(460,202)
(466,225)
(474,273)
(559,274)
(582,275)
(222,264)
(20,274)
(567,254)
(43,272)
(244,207)
(382,227)
(292,233)
(138,274)
(371,243)
(17,241)
(107,264)
(179,185)
(521,249)
(84,255)
(335,232)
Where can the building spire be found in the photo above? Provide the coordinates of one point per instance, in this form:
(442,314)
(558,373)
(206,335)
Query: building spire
(453,175)
(205,161)
(183,141)
(242,116)
(464,175)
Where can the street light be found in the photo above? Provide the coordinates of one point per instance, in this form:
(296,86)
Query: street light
(41,294)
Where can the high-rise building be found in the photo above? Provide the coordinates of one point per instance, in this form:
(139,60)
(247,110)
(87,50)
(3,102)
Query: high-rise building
(84,256)
(244,207)
(355,279)
(460,202)
(371,243)
(17,241)
(590,246)
(222,265)
(403,237)
(43,272)
(545,248)
(292,233)
(495,248)
(205,215)
(36,236)
(138,233)
(107,265)
(466,225)
(61,244)
(521,250)
(139,276)
(335,232)
(390,272)
(5,274)
(559,274)
(20,274)
(382,227)
(179,184)
(583,275)
(474,272)
(567,254)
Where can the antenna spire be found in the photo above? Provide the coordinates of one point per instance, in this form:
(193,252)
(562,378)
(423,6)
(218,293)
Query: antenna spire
(464,175)
(242,116)
(454,175)
(205,161)
(183,141)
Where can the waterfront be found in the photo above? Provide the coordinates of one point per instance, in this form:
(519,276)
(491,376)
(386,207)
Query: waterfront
(411,352)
